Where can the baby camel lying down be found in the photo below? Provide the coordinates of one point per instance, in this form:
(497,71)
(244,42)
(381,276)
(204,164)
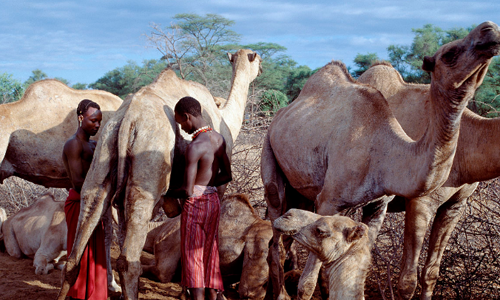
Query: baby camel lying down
(243,247)
(339,242)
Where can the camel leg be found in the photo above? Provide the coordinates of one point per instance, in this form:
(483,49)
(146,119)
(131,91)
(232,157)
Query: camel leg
(108,240)
(138,209)
(446,219)
(309,277)
(419,212)
(374,215)
(325,207)
(274,193)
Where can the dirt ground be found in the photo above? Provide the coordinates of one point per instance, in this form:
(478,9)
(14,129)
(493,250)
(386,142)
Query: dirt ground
(18,279)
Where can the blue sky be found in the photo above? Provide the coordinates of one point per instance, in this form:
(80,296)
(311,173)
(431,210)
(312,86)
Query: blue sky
(82,40)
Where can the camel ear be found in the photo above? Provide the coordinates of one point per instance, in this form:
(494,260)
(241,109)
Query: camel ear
(252,56)
(428,64)
(230,56)
(355,233)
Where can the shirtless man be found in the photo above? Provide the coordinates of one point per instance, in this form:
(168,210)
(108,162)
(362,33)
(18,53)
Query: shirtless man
(207,166)
(77,156)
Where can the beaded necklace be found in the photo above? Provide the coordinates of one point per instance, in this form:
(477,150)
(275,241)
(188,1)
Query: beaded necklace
(201,130)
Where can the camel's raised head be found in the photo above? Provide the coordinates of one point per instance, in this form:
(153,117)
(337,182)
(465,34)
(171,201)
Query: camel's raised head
(246,59)
(329,237)
(462,64)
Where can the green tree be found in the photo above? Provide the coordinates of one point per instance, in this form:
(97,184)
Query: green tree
(363,62)
(79,86)
(192,45)
(296,81)
(273,100)
(487,98)
(10,89)
(408,59)
(36,75)
(129,78)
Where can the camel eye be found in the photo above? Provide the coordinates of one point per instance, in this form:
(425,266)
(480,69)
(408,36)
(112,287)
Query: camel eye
(322,232)
(450,56)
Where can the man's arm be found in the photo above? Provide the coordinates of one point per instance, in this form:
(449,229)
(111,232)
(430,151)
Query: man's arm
(73,152)
(224,176)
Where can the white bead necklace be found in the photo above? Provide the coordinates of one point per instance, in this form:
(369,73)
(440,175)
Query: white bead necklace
(199,129)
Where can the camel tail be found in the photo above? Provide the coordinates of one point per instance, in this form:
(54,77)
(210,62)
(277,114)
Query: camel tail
(126,136)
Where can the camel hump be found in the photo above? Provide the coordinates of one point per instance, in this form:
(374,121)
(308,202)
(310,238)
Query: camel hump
(333,74)
(239,198)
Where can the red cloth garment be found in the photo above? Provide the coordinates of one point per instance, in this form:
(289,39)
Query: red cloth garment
(93,258)
(199,240)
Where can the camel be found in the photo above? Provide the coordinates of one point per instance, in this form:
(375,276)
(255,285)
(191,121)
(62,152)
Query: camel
(244,243)
(31,145)
(339,242)
(474,161)
(39,232)
(339,146)
(34,129)
(139,149)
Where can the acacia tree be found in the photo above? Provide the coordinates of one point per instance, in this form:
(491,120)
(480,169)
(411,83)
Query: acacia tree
(192,44)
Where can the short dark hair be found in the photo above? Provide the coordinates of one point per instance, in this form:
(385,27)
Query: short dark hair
(84,105)
(188,105)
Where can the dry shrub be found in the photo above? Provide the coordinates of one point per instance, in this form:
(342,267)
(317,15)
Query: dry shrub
(470,265)
(16,193)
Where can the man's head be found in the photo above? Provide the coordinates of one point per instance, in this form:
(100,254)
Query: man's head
(188,114)
(89,116)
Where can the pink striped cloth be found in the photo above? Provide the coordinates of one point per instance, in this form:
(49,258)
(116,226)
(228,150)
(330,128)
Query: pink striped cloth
(199,239)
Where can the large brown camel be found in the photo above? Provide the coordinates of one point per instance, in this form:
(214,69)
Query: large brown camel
(476,159)
(339,146)
(139,149)
(339,242)
(34,129)
(243,247)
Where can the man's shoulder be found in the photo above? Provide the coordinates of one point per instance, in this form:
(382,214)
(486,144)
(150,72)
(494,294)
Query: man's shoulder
(72,144)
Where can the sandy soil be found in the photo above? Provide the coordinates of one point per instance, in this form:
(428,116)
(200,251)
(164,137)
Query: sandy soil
(18,279)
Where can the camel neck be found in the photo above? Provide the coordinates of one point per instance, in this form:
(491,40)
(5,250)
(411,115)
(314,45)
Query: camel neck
(233,111)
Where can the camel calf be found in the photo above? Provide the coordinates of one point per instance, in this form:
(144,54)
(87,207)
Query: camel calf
(243,247)
(339,242)
(37,231)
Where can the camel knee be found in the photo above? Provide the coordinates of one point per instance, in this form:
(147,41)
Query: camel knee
(407,285)
(429,277)
(121,264)
(272,194)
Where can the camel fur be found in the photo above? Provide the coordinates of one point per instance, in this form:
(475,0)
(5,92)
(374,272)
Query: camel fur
(339,242)
(243,247)
(339,146)
(139,149)
(476,159)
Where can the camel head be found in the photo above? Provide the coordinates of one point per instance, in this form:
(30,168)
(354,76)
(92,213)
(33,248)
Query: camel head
(462,64)
(245,59)
(329,237)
